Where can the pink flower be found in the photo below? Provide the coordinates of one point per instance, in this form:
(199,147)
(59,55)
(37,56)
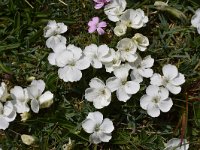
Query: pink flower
(95,24)
(100,3)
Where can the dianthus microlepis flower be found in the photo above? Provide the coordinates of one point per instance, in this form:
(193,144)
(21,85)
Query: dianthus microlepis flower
(96,25)
(100,3)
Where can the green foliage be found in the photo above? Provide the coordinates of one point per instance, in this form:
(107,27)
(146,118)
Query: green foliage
(23,54)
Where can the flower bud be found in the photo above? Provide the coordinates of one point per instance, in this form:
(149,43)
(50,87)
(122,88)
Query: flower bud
(120,29)
(25,116)
(29,79)
(28,139)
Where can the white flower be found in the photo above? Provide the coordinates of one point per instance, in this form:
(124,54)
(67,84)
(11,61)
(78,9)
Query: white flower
(156,99)
(20,99)
(116,61)
(38,98)
(175,144)
(55,40)
(99,128)
(172,79)
(98,93)
(141,41)
(54,28)
(119,83)
(98,55)
(7,114)
(127,50)
(142,68)
(3,92)
(134,18)
(73,61)
(28,139)
(115,9)
(195,21)
(120,29)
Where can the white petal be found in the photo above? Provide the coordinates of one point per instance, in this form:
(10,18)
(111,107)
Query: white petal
(35,106)
(180,79)
(89,125)
(91,94)
(39,84)
(122,95)
(102,50)
(3,123)
(113,83)
(96,63)
(173,89)
(17,93)
(77,52)
(147,73)
(107,126)
(102,100)
(20,107)
(45,99)
(105,137)
(164,93)
(152,90)
(94,138)
(135,76)
(72,74)
(90,51)
(170,71)
(33,91)
(83,63)
(131,58)
(11,116)
(96,83)
(132,87)
(62,73)
(52,41)
(64,58)
(144,101)
(8,108)
(96,116)
(60,47)
(121,72)
(165,105)
(52,58)
(156,79)
(153,110)
(61,28)
(147,62)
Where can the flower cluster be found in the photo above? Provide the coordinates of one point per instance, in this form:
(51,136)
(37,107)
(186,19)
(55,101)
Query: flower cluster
(20,99)
(116,12)
(125,63)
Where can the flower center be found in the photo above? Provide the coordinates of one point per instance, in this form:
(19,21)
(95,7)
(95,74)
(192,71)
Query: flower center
(165,81)
(156,99)
(127,49)
(97,128)
(124,82)
(1,108)
(103,91)
(72,63)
